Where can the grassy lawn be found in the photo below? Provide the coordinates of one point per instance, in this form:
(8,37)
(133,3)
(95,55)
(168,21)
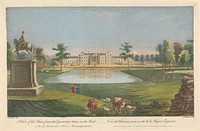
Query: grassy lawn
(58,100)
(50,103)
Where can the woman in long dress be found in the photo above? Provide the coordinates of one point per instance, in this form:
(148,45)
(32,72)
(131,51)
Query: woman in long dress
(74,88)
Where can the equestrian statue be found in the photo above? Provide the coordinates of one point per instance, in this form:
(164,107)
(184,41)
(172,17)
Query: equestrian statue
(22,44)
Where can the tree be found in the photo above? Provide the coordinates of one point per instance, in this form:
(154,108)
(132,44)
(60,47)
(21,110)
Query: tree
(61,53)
(160,56)
(47,60)
(137,57)
(177,51)
(54,63)
(126,52)
(10,55)
(39,56)
(165,54)
(152,57)
(147,58)
(168,55)
(142,59)
(190,48)
(157,58)
(185,57)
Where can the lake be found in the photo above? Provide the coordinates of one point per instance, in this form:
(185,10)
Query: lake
(94,76)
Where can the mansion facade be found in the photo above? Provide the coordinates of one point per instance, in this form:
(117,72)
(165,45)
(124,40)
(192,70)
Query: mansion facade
(95,58)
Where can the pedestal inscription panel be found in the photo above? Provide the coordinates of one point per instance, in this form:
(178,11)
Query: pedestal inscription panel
(24,70)
(23,79)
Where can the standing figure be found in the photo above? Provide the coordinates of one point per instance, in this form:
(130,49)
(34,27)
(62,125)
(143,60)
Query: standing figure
(74,88)
(78,90)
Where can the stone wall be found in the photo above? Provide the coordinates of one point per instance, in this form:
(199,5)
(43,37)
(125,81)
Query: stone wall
(183,104)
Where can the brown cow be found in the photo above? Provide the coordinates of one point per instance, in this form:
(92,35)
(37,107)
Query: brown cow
(118,103)
(92,105)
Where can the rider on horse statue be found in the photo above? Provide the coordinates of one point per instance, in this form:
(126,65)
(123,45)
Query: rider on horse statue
(22,44)
(22,40)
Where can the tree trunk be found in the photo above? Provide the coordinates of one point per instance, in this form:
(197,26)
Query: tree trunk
(187,65)
(164,66)
(128,64)
(61,63)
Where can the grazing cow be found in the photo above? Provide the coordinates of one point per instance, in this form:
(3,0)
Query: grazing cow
(118,103)
(106,109)
(106,99)
(92,105)
(130,109)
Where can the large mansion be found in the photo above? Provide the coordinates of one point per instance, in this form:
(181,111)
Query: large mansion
(95,58)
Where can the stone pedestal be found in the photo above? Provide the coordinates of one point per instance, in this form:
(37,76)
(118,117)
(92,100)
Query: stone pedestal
(23,81)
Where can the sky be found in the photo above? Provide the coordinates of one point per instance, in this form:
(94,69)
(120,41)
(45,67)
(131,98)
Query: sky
(100,29)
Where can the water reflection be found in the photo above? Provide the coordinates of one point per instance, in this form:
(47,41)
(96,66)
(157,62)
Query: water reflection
(84,73)
(94,76)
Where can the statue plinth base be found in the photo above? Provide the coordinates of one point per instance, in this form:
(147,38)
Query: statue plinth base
(23,81)
(33,91)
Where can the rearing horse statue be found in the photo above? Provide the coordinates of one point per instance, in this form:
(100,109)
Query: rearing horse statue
(21,44)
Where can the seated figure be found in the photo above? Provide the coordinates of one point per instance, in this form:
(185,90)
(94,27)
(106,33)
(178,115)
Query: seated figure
(22,44)
(22,40)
